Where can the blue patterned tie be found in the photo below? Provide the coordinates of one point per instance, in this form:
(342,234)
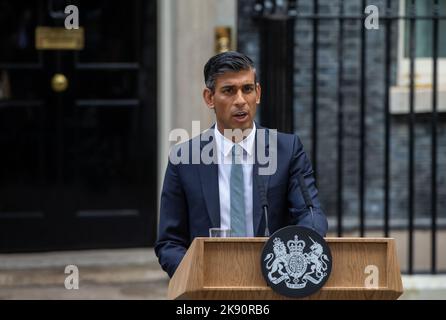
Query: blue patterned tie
(238,220)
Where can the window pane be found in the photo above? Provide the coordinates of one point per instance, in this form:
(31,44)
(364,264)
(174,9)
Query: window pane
(423,29)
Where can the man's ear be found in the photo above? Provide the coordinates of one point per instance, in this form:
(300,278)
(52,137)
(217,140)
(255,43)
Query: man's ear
(208,97)
(258,92)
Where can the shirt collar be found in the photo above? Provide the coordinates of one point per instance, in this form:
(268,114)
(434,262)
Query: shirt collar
(225,145)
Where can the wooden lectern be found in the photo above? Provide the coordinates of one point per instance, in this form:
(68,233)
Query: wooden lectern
(229,268)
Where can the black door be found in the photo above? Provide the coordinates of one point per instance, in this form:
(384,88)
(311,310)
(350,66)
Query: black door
(78,165)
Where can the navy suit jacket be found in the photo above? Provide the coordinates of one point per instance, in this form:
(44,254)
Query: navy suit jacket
(190,202)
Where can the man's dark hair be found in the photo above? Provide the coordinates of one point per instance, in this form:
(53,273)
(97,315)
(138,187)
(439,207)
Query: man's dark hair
(226,62)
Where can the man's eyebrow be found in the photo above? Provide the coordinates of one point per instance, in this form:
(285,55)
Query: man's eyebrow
(227,86)
(233,85)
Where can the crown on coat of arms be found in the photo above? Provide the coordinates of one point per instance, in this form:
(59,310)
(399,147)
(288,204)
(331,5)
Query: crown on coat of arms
(296,245)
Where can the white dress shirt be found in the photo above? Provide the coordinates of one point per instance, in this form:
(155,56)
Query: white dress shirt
(224,147)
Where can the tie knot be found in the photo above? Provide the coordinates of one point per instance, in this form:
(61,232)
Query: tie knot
(237,153)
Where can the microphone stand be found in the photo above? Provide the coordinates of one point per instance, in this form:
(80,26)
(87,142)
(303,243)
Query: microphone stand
(264,201)
(307,198)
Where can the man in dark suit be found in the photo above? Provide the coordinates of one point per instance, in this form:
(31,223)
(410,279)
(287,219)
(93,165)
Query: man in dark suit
(225,192)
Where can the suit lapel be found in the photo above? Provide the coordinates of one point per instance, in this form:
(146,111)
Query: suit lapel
(209,182)
(256,207)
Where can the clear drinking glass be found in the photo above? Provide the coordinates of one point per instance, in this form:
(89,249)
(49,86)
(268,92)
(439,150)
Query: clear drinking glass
(219,233)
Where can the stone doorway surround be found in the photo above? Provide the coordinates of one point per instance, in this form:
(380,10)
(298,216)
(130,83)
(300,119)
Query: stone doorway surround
(186,42)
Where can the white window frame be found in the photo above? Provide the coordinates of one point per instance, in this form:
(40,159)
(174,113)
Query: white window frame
(423,66)
(399,94)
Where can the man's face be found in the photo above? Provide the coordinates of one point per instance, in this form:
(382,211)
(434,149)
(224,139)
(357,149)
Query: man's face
(234,100)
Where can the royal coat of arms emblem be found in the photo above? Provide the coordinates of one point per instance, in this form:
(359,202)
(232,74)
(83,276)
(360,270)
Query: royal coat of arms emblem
(296,261)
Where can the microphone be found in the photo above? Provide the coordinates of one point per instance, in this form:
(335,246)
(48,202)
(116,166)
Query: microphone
(306,195)
(263,202)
